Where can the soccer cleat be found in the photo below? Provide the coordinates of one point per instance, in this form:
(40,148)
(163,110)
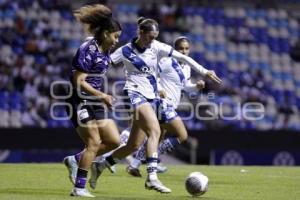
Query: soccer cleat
(161,168)
(112,169)
(133,171)
(81,192)
(96,170)
(100,159)
(72,166)
(156,185)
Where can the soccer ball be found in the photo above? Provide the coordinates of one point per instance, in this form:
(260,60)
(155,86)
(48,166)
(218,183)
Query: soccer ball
(196,183)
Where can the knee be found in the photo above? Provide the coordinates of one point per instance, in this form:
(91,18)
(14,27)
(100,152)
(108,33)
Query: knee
(182,137)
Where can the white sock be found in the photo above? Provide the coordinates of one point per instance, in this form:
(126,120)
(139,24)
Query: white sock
(152,167)
(135,163)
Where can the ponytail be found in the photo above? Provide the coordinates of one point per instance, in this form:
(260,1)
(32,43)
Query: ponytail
(147,25)
(98,18)
(140,20)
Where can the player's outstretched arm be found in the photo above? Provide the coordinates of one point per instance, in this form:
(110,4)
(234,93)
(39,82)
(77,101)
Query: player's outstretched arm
(199,68)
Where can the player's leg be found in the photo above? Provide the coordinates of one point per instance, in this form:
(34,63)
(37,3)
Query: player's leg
(109,135)
(137,159)
(177,134)
(149,124)
(109,141)
(171,123)
(144,121)
(135,139)
(90,136)
(123,141)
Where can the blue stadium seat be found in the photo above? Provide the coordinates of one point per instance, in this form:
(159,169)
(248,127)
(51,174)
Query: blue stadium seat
(279,96)
(4,95)
(198,56)
(261,13)
(232,56)
(188,10)
(221,69)
(251,13)
(272,22)
(283,23)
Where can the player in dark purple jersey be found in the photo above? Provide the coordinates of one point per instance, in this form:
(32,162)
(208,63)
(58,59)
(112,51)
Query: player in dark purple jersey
(89,104)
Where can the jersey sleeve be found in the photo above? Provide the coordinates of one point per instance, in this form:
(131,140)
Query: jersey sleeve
(164,50)
(83,60)
(191,62)
(190,87)
(117,56)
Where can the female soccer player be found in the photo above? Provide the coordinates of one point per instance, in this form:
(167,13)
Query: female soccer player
(140,58)
(174,77)
(89,103)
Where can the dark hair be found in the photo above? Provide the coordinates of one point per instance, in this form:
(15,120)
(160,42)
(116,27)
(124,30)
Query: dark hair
(98,18)
(179,40)
(147,25)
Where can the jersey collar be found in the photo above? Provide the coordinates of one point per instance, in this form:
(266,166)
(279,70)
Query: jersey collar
(133,43)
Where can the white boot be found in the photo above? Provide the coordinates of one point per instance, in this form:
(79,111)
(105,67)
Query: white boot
(72,166)
(81,192)
(156,185)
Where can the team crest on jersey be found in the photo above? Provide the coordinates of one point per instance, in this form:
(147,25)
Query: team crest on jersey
(145,69)
(92,48)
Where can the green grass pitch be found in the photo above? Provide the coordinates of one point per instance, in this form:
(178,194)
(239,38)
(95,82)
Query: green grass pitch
(50,181)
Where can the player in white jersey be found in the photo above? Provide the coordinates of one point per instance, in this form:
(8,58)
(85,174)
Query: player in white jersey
(174,77)
(140,58)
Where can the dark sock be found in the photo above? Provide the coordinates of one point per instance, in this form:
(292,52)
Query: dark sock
(81,178)
(110,160)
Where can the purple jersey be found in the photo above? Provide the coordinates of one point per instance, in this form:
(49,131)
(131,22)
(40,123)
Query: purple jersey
(90,60)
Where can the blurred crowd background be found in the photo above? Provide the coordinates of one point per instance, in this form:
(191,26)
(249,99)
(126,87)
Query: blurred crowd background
(252,45)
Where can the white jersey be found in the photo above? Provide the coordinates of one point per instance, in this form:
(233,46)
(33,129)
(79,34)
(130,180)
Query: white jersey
(174,77)
(141,66)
